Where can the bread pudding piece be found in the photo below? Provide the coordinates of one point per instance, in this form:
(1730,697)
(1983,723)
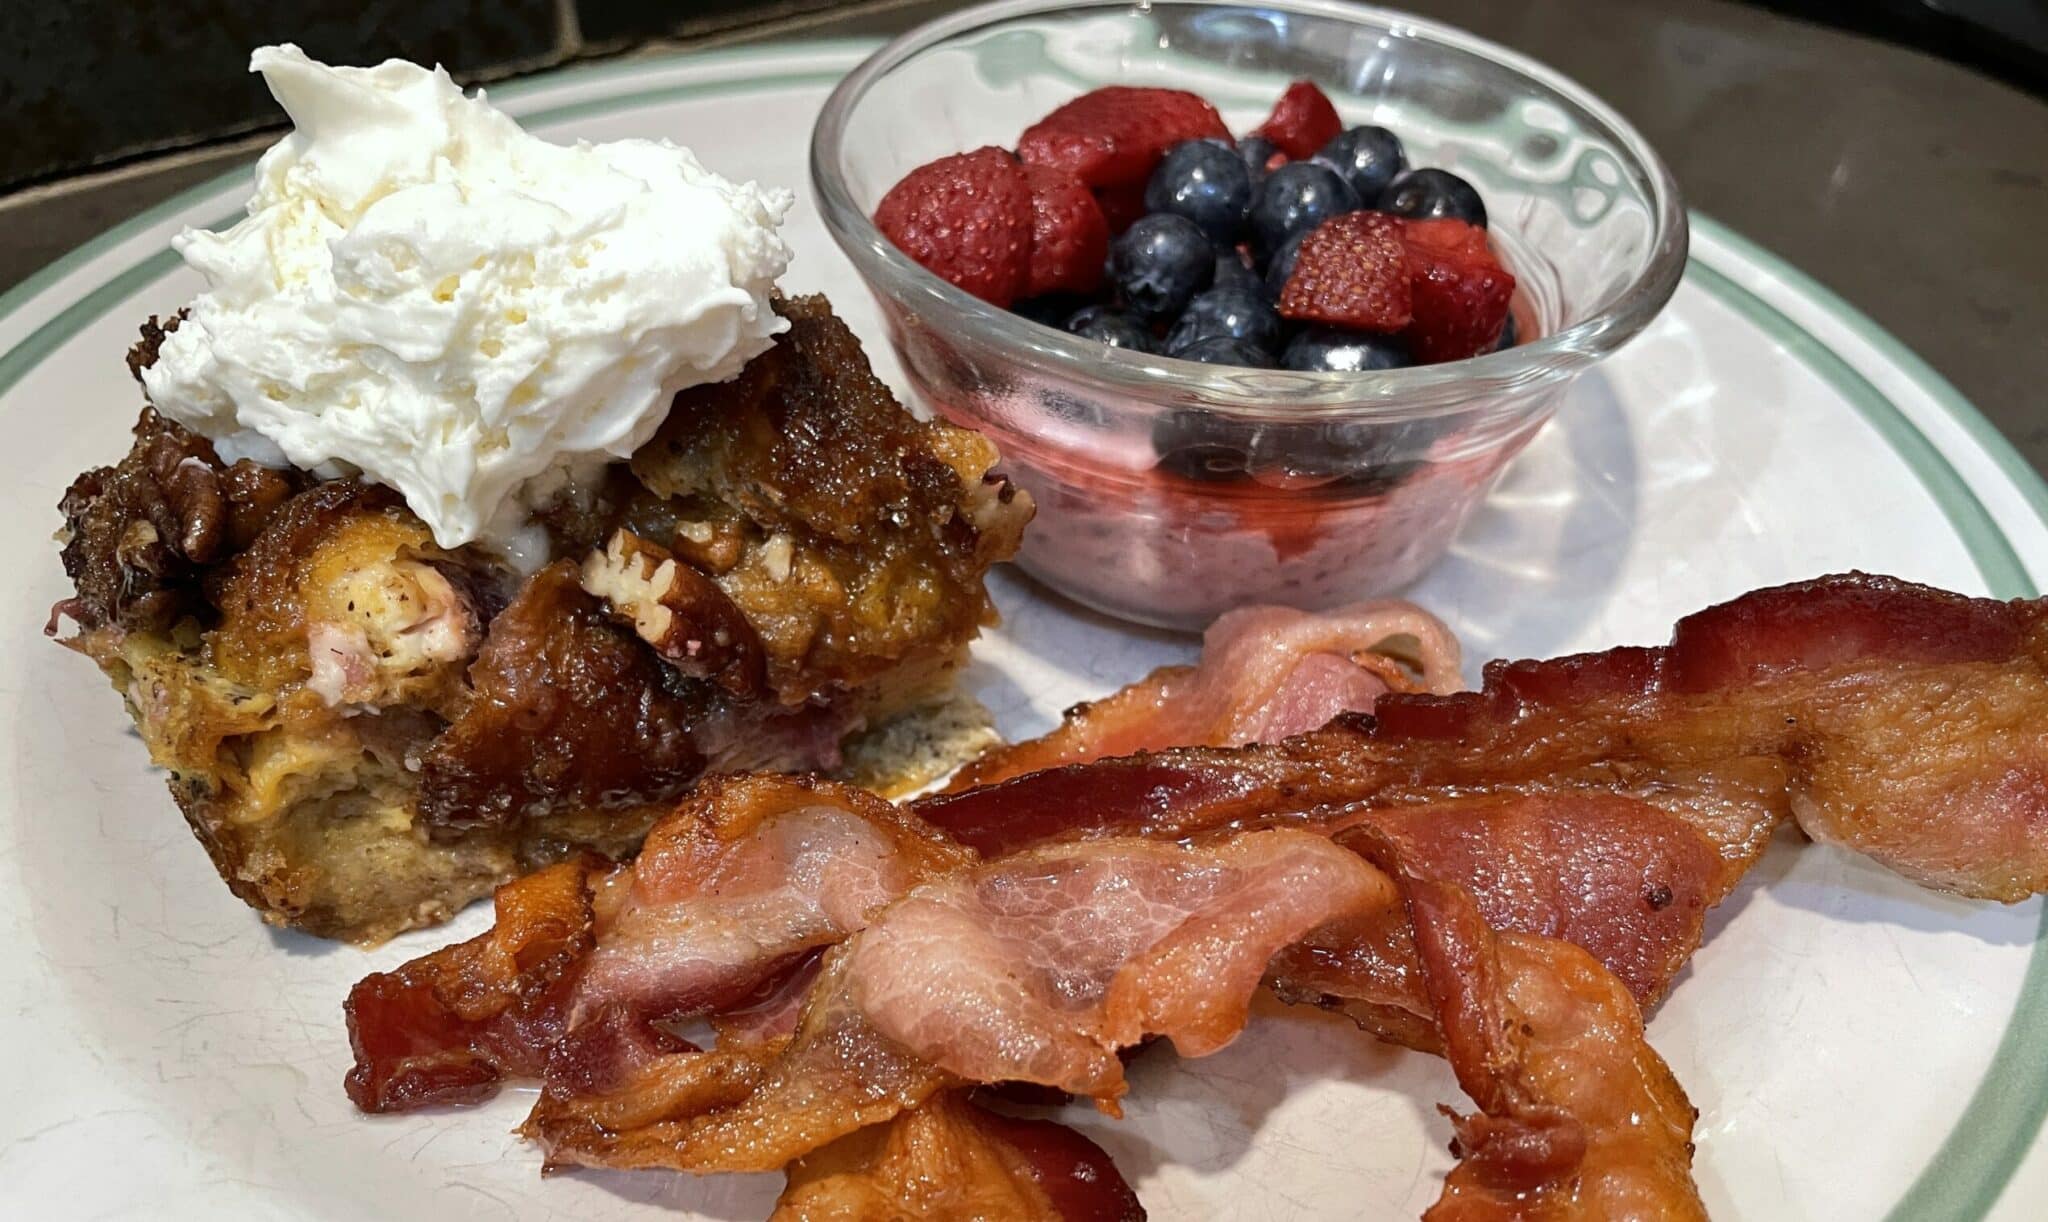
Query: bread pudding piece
(367,730)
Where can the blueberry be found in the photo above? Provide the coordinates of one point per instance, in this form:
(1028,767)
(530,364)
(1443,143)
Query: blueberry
(1233,272)
(1255,152)
(1507,334)
(1231,312)
(1204,446)
(1159,262)
(1082,413)
(1226,350)
(1369,459)
(1281,266)
(1295,198)
(1111,326)
(1330,349)
(1204,181)
(1366,157)
(1429,193)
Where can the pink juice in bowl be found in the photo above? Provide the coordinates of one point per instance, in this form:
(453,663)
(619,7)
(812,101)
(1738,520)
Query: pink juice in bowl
(1173,517)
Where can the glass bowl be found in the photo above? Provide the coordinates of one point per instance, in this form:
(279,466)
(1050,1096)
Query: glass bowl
(1170,491)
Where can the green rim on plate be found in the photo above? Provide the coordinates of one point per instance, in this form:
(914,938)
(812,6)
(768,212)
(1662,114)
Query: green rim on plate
(2000,1122)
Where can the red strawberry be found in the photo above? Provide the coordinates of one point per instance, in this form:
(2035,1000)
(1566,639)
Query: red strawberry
(1449,237)
(1352,272)
(1460,290)
(1069,238)
(1121,205)
(1302,121)
(967,219)
(1115,135)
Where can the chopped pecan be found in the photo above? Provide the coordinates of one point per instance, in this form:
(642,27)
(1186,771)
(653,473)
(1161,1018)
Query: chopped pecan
(139,534)
(679,611)
(571,713)
(851,534)
(154,332)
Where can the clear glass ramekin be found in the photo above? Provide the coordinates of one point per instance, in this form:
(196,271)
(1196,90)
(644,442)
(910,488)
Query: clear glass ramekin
(1170,491)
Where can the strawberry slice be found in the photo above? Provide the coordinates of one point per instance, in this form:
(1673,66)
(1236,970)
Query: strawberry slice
(1069,237)
(1459,288)
(968,219)
(1115,135)
(1352,272)
(1303,120)
(1121,205)
(1448,237)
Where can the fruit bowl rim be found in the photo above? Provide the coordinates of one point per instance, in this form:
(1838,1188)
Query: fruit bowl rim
(1275,394)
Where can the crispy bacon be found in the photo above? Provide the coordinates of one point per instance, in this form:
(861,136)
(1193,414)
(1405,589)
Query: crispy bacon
(1723,730)
(1036,968)
(1613,875)
(1607,800)
(743,882)
(447,1026)
(953,1160)
(1579,1118)
(1912,723)
(1039,967)
(1148,936)
(745,879)
(1900,721)
(749,875)
(1266,673)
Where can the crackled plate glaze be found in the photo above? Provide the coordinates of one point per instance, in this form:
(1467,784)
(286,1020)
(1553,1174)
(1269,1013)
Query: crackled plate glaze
(1856,1047)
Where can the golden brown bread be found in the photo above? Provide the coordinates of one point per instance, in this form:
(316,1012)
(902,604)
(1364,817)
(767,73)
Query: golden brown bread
(368,731)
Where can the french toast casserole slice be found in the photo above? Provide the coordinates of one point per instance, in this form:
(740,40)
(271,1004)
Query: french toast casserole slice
(367,731)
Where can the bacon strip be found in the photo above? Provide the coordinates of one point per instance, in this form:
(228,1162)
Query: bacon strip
(447,1026)
(1329,776)
(1579,1117)
(729,904)
(1612,875)
(748,877)
(952,1160)
(613,1073)
(1040,967)
(1912,723)
(1920,739)
(1266,673)
(1570,797)
(1036,968)
(1899,721)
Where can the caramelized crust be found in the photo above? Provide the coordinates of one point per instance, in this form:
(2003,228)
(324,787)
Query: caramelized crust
(952,1159)
(569,711)
(138,535)
(847,532)
(368,731)
(678,611)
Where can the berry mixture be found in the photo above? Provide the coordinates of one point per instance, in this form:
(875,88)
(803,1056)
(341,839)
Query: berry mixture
(1130,216)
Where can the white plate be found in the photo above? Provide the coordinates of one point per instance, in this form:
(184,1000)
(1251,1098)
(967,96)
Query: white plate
(1855,1045)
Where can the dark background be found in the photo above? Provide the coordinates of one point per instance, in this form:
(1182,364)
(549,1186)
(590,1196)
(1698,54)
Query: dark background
(93,82)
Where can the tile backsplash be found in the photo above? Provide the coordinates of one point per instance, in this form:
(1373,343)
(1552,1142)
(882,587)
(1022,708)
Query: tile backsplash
(85,83)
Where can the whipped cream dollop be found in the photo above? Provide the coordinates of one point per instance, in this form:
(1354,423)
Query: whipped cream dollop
(426,295)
